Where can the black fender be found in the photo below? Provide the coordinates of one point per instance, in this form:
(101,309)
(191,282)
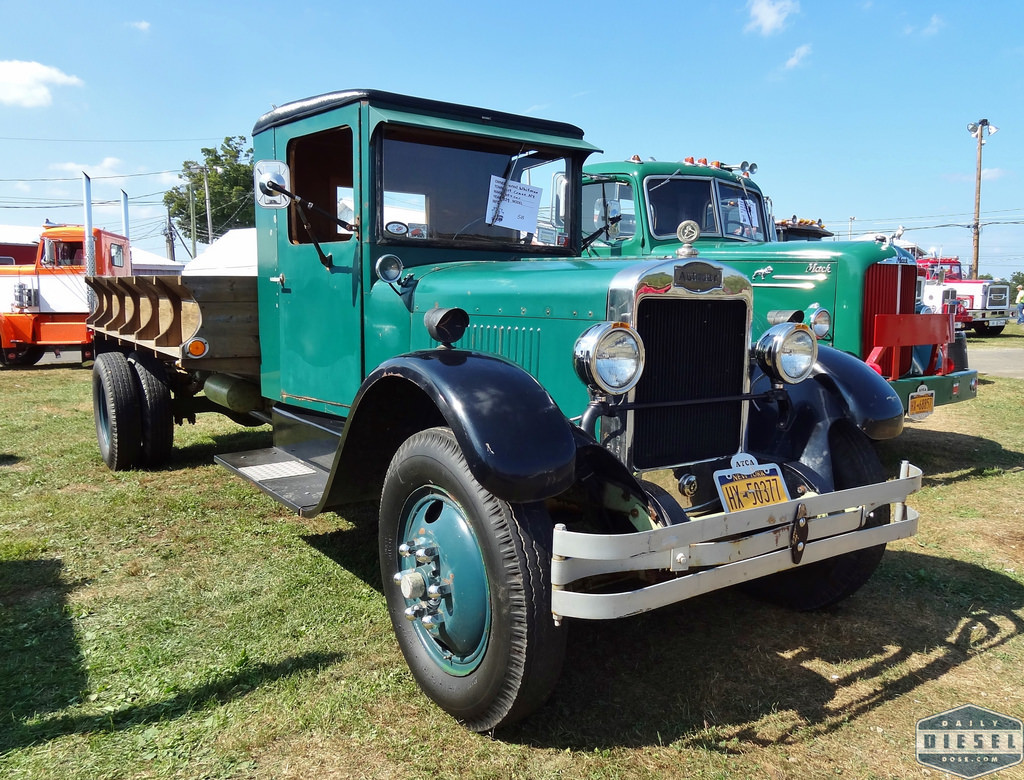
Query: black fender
(840,388)
(516,441)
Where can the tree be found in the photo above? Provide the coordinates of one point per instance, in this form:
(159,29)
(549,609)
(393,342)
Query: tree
(228,172)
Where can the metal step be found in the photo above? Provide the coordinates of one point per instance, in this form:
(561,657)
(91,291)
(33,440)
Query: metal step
(290,475)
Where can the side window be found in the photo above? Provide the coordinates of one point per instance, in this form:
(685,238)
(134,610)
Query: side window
(321,167)
(603,201)
(69,253)
(117,255)
(742,212)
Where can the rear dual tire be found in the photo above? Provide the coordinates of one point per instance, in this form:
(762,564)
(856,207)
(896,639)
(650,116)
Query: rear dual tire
(132,410)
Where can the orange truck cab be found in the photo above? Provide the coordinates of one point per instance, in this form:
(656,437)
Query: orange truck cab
(43,305)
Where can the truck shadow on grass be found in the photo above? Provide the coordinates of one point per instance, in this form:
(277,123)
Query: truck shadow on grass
(726,672)
(946,457)
(43,676)
(201,453)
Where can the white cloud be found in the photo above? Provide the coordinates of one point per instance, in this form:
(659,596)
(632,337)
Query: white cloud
(27,84)
(798,56)
(935,24)
(987,174)
(108,167)
(769,16)
(140,26)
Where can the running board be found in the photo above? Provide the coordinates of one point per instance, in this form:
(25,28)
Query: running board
(294,481)
(295,471)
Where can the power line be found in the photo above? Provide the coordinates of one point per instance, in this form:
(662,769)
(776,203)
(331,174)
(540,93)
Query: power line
(111,140)
(79,178)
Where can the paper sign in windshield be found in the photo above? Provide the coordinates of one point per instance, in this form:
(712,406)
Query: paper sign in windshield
(748,212)
(512,204)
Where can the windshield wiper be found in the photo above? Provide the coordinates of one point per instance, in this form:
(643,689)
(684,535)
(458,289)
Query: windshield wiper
(604,228)
(665,181)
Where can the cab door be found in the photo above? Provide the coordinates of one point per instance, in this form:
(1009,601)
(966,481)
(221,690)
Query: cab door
(314,295)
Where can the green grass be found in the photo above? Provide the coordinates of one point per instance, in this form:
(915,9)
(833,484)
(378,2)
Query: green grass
(180,624)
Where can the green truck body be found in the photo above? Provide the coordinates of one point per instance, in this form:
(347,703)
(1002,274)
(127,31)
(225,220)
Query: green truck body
(863,293)
(549,436)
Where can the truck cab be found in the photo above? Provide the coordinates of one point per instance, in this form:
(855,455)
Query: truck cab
(45,303)
(983,305)
(858,296)
(548,436)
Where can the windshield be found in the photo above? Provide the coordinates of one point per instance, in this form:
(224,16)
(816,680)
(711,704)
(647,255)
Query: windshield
(447,189)
(718,208)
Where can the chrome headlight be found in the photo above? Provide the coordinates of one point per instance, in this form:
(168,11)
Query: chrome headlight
(787,352)
(821,322)
(609,356)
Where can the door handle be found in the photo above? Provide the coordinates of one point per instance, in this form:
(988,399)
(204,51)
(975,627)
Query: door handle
(279,279)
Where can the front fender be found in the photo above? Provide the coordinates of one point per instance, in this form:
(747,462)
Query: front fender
(516,441)
(840,388)
(871,402)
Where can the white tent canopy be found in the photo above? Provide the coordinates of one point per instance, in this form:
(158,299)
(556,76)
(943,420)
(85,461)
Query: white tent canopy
(233,254)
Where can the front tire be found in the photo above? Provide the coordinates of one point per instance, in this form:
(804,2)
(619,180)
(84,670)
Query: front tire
(822,584)
(117,412)
(988,330)
(468,586)
(27,357)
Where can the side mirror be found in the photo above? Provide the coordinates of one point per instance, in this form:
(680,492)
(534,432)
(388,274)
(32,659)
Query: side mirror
(266,172)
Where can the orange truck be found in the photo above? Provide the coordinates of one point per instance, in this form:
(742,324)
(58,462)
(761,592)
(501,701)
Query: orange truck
(43,304)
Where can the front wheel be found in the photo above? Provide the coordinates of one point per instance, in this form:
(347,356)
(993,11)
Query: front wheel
(988,330)
(468,585)
(822,584)
(22,359)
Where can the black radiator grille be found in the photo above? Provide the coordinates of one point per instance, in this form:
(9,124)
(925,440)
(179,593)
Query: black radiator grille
(696,350)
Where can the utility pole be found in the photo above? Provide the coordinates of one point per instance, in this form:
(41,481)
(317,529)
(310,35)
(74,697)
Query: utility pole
(209,216)
(169,237)
(192,214)
(977,129)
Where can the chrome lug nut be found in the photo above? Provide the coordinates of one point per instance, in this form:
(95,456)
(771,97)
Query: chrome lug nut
(439,590)
(426,554)
(433,620)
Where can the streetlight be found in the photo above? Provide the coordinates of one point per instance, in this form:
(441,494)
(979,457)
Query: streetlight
(977,129)
(850,234)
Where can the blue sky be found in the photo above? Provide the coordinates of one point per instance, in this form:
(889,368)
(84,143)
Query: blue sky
(850,109)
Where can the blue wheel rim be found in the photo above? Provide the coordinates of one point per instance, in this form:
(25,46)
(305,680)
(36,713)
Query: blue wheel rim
(432,519)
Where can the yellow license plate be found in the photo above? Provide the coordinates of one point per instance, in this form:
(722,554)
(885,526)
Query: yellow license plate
(751,487)
(920,405)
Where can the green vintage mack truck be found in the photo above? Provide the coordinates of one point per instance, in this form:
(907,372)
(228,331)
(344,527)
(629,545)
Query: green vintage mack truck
(857,296)
(548,437)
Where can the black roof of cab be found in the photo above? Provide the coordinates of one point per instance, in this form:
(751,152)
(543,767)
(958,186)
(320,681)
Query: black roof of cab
(311,106)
